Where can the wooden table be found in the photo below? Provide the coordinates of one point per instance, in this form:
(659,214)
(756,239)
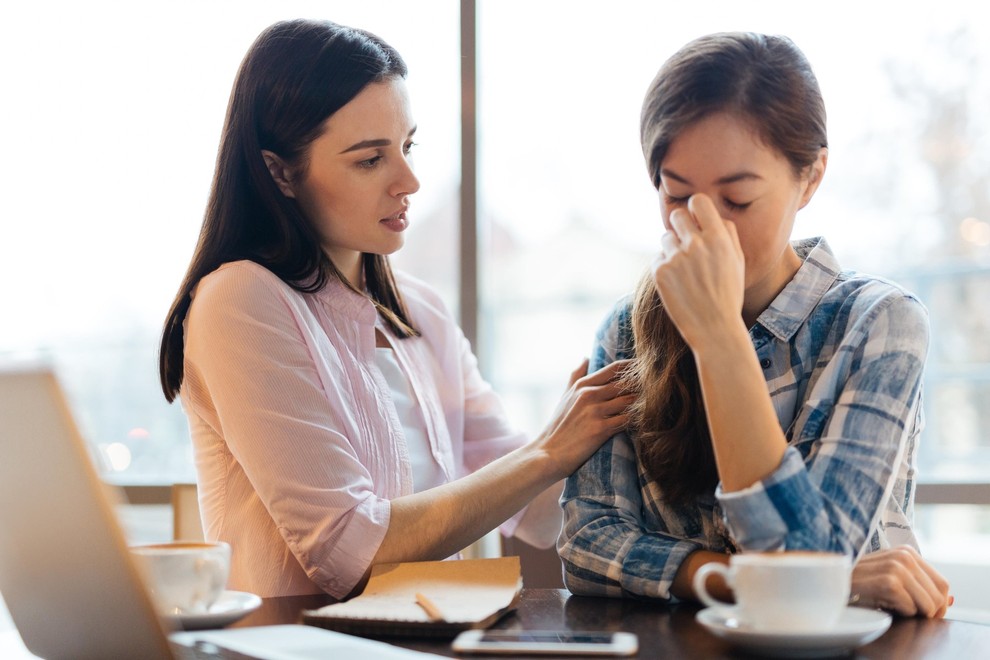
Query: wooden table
(665,631)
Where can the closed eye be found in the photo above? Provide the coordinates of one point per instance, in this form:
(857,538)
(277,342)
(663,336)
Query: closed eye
(733,206)
(370,163)
(670,200)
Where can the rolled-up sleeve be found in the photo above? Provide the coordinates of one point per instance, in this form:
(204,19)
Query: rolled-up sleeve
(833,482)
(252,379)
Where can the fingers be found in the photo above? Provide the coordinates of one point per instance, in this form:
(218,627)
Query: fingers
(611,416)
(941,584)
(682,225)
(918,592)
(669,244)
(600,398)
(901,581)
(617,406)
(928,596)
(608,373)
(925,585)
(705,214)
(610,403)
(683,229)
(615,424)
(887,592)
(730,228)
(879,581)
(937,586)
(578,373)
(698,219)
(603,400)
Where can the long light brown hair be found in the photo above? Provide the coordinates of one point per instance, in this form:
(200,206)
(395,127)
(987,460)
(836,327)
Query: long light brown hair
(769,84)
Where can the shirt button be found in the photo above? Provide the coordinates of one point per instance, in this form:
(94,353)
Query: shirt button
(765,363)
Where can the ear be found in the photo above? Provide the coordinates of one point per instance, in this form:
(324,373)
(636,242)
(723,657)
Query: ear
(281,173)
(816,172)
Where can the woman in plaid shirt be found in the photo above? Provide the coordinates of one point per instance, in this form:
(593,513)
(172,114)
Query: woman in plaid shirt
(779,397)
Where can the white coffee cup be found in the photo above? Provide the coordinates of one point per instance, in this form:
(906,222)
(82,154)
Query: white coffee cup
(184,577)
(787,592)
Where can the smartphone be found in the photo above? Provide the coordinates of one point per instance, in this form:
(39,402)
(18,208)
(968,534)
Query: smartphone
(546,642)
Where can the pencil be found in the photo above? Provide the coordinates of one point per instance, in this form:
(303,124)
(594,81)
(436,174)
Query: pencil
(429,607)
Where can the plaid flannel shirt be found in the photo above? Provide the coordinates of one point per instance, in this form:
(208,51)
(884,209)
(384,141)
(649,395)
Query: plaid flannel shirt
(843,355)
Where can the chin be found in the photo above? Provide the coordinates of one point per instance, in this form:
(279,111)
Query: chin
(387,250)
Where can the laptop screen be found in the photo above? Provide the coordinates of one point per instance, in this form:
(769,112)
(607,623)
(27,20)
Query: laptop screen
(65,571)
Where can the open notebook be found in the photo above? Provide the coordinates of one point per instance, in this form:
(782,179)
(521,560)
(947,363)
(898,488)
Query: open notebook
(65,571)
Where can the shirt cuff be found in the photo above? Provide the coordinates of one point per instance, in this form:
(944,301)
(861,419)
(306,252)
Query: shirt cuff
(339,571)
(754,515)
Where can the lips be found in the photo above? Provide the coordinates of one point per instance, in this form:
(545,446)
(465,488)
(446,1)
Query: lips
(397,221)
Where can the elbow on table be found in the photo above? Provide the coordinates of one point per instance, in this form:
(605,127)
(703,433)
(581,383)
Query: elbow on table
(581,580)
(581,586)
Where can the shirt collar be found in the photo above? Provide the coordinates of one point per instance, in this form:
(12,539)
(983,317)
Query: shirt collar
(346,301)
(792,306)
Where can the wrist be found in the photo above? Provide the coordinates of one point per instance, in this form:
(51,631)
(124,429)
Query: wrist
(724,344)
(537,459)
(683,584)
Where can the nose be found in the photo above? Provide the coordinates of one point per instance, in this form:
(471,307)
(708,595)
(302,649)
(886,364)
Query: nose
(406,182)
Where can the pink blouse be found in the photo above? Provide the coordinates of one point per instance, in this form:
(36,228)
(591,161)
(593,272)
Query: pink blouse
(297,443)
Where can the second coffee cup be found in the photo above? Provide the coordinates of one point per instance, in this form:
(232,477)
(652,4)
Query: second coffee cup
(184,578)
(788,592)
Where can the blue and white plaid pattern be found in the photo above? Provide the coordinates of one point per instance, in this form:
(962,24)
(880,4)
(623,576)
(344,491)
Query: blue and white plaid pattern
(843,356)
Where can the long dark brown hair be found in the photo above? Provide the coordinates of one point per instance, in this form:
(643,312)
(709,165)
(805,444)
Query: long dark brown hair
(769,84)
(295,76)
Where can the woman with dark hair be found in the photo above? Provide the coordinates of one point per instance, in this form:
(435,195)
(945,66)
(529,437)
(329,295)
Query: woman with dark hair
(779,397)
(337,413)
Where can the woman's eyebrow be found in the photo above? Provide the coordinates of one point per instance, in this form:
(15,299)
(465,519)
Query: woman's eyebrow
(382,142)
(739,176)
(731,178)
(366,144)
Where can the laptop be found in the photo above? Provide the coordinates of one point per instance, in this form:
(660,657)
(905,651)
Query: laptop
(66,574)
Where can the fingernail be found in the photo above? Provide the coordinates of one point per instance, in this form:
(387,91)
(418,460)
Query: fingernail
(952,599)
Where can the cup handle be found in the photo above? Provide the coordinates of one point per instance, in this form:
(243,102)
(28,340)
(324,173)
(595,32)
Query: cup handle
(701,577)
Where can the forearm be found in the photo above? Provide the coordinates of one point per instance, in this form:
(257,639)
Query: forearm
(683,585)
(540,525)
(608,556)
(436,523)
(746,435)
(605,546)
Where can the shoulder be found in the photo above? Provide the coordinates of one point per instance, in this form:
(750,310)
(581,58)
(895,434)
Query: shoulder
(237,278)
(618,320)
(866,306)
(244,286)
(866,296)
(614,339)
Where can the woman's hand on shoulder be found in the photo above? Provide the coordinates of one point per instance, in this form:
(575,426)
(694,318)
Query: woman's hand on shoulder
(899,580)
(592,410)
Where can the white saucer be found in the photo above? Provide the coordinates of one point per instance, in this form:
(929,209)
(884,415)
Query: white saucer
(230,607)
(857,626)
